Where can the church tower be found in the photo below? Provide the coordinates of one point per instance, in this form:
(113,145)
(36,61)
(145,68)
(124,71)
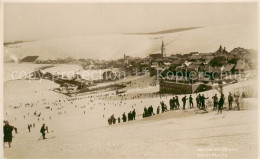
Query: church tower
(163,50)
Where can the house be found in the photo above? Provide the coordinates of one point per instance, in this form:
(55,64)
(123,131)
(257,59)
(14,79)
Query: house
(242,66)
(208,68)
(172,87)
(207,57)
(198,62)
(178,62)
(29,59)
(230,57)
(206,62)
(195,57)
(187,63)
(179,68)
(229,68)
(193,67)
(155,70)
(156,56)
(173,57)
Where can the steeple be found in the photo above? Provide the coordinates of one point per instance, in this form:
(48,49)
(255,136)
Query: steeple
(163,49)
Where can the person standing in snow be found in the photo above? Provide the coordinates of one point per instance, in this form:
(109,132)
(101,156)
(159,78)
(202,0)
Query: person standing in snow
(177,102)
(8,133)
(203,102)
(230,100)
(29,128)
(237,101)
(124,117)
(158,109)
(221,103)
(215,101)
(43,131)
(191,101)
(133,114)
(184,101)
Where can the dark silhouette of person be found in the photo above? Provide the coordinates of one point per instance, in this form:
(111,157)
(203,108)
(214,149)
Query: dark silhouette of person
(145,112)
(177,102)
(133,114)
(151,111)
(191,101)
(129,116)
(29,128)
(162,106)
(158,109)
(124,117)
(174,103)
(184,101)
(221,103)
(171,104)
(230,100)
(198,100)
(8,133)
(237,101)
(202,99)
(43,131)
(215,102)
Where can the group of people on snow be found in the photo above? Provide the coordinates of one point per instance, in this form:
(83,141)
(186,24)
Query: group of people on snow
(174,103)
(130,116)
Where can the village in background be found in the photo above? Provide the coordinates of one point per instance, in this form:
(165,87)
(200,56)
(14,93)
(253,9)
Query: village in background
(175,74)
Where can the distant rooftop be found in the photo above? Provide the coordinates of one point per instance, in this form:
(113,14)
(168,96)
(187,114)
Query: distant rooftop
(29,59)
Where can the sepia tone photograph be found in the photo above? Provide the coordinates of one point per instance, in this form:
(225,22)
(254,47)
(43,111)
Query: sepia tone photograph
(130,79)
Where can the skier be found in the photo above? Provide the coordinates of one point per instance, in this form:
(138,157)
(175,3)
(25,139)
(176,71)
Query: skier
(129,116)
(237,101)
(124,117)
(221,103)
(198,101)
(184,101)
(215,101)
(162,106)
(202,101)
(173,103)
(133,114)
(177,102)
(29,128)
(230,100)
(43,131)
(191,101)
(8,133)
(158,109)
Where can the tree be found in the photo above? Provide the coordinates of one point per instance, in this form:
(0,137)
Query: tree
(218,61)
(233,61)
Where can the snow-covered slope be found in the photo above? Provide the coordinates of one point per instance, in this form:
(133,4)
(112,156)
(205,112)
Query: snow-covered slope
(205,39)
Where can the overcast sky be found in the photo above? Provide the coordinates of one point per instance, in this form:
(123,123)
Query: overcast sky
(44,21)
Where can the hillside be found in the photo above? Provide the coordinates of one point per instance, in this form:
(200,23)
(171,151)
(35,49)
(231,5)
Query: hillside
(176,134)
(206,39)
(78,126)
